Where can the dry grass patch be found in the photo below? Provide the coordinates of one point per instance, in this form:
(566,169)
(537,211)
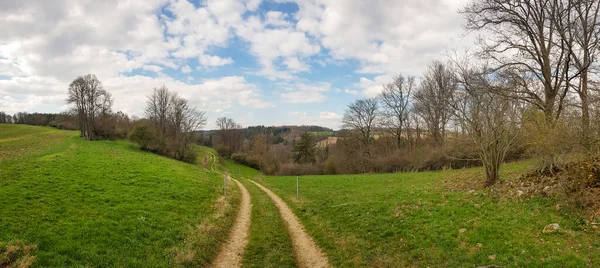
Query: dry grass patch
(17,254)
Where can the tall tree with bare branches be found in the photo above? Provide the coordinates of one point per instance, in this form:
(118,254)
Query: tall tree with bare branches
(395,100)
(431,100)
(361,115)
(578,23)
(90,100)
(523,40)
(490,120)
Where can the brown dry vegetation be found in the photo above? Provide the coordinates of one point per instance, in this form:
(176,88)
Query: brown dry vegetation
(17,254)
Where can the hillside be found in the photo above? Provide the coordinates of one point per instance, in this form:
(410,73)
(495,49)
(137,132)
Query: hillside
(70,202)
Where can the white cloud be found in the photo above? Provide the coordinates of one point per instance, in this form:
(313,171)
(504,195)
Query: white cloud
(372,88)
(214,61)
(152,68)
(305,93)
(329,115)
(186,69)
(350,91)
(385,36)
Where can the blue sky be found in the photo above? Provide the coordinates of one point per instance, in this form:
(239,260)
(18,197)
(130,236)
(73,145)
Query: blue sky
(259,62)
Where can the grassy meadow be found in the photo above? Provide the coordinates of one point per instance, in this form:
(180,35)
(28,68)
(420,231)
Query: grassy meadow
(105,203)
(416,220)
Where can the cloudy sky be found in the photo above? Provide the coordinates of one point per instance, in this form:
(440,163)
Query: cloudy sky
(268,62)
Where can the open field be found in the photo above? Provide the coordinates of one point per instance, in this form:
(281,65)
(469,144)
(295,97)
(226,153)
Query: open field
(412,219)
(322,133)
(107,204)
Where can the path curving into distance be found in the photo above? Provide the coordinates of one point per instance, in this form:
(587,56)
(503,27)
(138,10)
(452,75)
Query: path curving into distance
(308,254)
(232,251)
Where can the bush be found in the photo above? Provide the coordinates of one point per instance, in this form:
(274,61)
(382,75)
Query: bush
(143,135)
(190,155)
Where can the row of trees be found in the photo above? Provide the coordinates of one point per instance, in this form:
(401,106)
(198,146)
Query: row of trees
(169,128)
(531,82)
(536,57)
(64,120)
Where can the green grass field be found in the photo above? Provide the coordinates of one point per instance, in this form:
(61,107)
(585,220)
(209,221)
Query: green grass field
(71,202)
(411,219)
(106,204)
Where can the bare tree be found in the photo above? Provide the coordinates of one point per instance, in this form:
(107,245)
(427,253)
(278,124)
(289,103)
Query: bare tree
(490,120)
(230,134)
(524,40)
(90,100)
(175,122)
(578,24)
(183,121)
(431,100)
(395,100)
(158,105)
(361,115)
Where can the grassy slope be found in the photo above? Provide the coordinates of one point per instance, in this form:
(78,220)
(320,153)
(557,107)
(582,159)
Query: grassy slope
(103,203)
(409,219)
(269,243)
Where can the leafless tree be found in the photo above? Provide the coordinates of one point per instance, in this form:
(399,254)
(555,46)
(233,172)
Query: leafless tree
(490,120)
(431,100)
(524,40)
(395,100)
(578,23)
(361,115)
(175,122)
(230,134)
(90,100)
(158,105)
(183,122)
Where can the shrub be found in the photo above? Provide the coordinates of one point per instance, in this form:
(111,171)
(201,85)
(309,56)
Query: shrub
(143,135)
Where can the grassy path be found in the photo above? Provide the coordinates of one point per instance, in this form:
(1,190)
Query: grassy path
(232,251)
(270,244)
(308,254)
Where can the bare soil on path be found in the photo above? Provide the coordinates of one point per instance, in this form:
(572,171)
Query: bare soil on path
(232,251)
(308,254)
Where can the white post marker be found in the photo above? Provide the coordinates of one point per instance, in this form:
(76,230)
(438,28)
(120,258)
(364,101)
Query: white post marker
(224,184)
(297,188)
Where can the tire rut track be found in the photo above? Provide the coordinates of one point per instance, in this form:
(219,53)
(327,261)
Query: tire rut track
(232,252)
(308,254)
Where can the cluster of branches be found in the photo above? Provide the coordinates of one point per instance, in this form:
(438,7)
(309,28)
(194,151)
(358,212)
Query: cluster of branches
(170,127)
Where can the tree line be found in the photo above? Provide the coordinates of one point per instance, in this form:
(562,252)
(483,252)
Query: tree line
(529,87)
(169,128)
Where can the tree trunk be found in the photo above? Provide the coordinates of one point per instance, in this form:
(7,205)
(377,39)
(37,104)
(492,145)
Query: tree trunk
(585,112)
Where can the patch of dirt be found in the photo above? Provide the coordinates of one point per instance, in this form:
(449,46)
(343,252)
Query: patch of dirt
(16,254)
(308,254)
(232,252)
